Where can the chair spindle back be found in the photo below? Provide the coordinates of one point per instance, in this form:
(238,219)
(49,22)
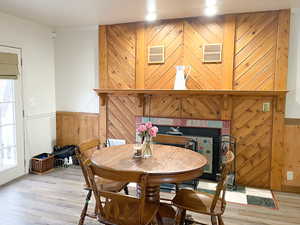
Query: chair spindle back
(83,153)
(110,210)
(222,184)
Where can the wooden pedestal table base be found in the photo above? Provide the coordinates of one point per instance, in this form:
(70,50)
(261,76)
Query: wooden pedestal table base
(169,164)
(152,193)
(166,213)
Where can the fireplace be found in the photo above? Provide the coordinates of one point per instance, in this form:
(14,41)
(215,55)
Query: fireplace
(205,136)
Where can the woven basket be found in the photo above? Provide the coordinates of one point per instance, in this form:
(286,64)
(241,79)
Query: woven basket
(42,163)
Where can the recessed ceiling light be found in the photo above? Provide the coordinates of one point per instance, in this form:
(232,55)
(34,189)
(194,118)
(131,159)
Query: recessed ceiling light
(210,3)
(151,5)
(210,11)
(151,17)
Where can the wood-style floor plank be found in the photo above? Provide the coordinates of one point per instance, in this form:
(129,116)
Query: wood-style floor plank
(57,198)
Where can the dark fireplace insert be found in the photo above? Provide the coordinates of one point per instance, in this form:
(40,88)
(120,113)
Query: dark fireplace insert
(203,140)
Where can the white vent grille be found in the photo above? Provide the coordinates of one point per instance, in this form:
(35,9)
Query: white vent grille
(156,54)
(212,53)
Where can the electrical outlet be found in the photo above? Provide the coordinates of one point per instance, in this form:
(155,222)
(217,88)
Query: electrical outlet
(266,106)
(290,175)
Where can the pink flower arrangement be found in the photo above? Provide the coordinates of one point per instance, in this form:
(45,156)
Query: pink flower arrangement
(153,131)
(147,129)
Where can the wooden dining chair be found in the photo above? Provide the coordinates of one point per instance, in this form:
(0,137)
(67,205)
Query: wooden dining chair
(84,153)
(203,203)
(115,208)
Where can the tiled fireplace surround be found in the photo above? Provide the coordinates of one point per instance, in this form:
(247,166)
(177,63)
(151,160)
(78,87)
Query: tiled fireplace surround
(224,125)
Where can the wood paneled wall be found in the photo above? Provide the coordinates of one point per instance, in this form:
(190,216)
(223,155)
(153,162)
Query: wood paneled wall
(169,34)
(292,154)
(197,32)
(253,129)
(255,47)
(121,125)
(73,128)
(121,43)
(255,50)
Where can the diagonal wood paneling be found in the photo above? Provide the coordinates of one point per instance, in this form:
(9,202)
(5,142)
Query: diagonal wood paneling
(253,129)
(121,44)
(199,31)
(169,34)
(163,106)
(121,118)
(257,41)
(204,107)
(255,51)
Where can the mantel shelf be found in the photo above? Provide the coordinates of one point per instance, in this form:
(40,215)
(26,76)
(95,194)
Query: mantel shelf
(187,92)
(142,92)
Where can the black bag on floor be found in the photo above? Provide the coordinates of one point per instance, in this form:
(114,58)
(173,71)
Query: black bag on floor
(60,153)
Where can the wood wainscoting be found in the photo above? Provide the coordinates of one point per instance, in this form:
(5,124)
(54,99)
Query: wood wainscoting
(74,128)
(292,155)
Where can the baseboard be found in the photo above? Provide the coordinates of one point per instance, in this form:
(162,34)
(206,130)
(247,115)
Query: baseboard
(14,180)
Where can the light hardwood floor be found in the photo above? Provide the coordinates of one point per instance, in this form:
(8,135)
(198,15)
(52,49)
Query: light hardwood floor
(57,198)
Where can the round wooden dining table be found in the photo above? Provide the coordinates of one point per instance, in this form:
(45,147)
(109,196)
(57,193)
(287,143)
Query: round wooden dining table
(168,164)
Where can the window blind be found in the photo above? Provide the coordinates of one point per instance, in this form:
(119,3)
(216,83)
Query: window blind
(8,66)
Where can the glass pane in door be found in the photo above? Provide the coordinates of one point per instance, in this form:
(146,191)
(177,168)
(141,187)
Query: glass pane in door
(8,154)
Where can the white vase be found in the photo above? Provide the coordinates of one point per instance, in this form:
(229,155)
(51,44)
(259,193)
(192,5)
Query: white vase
(181,77)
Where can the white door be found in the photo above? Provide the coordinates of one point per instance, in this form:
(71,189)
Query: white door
(11,125)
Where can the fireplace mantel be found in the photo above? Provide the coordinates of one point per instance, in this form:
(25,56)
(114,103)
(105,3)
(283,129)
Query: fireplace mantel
(142,92)
(187,92)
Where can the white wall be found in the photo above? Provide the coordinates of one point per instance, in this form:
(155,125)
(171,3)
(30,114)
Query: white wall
(38,79)
(76,69)
(293,97)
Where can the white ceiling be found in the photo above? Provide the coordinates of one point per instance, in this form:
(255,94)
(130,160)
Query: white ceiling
(60,13)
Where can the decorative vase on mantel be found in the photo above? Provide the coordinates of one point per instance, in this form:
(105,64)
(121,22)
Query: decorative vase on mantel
(146,149)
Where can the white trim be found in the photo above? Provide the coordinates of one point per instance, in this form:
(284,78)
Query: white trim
(40,116)
(295,10)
